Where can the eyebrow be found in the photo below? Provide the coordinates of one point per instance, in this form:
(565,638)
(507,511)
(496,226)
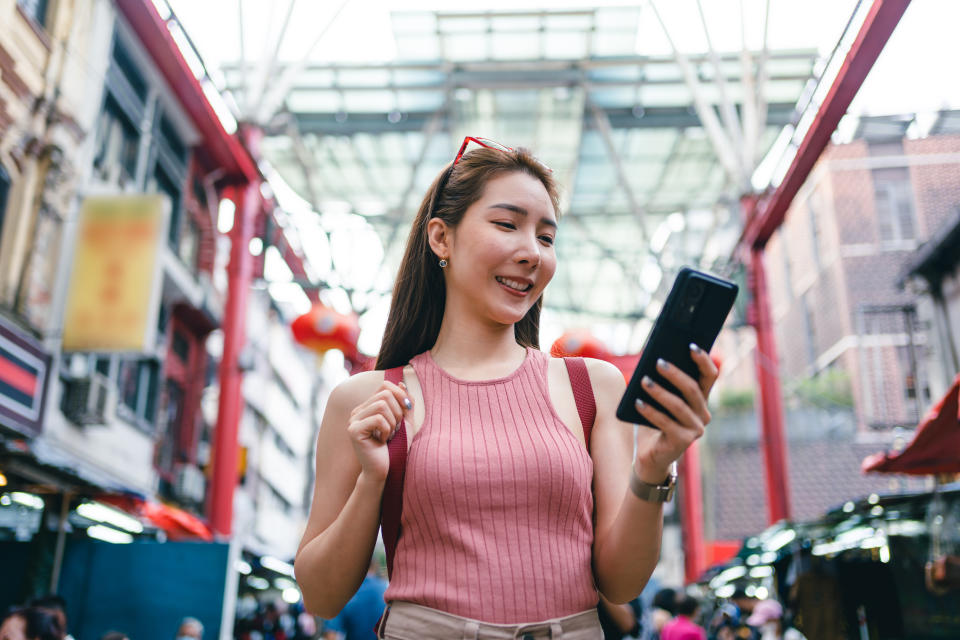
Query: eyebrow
(523,212)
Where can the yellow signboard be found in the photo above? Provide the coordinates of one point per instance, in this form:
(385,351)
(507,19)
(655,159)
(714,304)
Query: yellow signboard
(115,282)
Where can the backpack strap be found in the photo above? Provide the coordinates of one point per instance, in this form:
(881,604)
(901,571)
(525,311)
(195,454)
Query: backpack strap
(582,395)
(391,505)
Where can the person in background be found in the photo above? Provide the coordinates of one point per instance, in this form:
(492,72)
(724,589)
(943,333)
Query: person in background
(30,623)
(683,626)
(57,607)
(359,617)
(767,616)
(743,602)
(662,609)
(190,629)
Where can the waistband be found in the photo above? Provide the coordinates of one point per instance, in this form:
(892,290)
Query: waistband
(408,621)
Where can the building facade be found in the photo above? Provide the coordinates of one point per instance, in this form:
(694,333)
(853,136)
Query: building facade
(859,355)
(88,108)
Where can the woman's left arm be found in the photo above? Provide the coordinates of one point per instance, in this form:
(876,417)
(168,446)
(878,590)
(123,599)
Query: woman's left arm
(627,532)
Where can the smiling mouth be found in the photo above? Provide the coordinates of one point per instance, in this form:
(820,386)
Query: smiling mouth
(515,285)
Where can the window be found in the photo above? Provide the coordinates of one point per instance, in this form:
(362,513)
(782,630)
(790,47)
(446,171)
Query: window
(893,197)
(4,192)
(816,233)
(128,69)
(181,346)
(118,147)
(810,329)
(138,391)
(162,183)
(189,243)
(36,9)
(170,423)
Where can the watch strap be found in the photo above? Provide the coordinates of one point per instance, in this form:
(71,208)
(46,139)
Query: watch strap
(657,493)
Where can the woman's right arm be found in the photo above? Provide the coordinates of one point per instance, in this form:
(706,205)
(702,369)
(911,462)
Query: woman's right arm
(352,464)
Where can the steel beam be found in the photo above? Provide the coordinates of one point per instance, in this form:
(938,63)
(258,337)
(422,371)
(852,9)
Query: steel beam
(602,124)
(531,64)
(708,118)
(879,23)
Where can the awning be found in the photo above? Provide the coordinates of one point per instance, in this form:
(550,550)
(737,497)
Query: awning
(935,447)
(176,523)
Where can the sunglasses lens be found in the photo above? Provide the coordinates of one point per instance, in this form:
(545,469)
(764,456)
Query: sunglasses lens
(493,144)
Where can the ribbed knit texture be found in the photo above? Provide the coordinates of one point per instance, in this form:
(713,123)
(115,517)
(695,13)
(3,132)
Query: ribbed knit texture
(497,518)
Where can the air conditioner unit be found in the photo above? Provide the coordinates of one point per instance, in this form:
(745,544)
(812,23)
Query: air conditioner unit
(88,400)
(190,483)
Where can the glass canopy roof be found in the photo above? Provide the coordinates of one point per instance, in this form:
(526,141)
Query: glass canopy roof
(653,146)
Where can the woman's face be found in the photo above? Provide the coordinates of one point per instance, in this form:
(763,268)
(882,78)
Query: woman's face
(501,255)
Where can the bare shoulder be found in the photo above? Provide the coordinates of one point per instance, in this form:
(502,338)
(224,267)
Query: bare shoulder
(604,375)
(354,390)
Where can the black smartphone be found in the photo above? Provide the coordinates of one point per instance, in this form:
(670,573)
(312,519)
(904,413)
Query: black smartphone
(694,311)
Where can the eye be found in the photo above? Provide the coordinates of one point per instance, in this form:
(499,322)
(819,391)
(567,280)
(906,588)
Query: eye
(547,240)
(506,225)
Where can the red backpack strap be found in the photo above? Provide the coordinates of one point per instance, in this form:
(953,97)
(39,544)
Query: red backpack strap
(582,395)
(391,506)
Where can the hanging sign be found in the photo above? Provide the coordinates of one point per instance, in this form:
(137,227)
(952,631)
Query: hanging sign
(115,282)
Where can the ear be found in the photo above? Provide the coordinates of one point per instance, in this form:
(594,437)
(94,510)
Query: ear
(440,237)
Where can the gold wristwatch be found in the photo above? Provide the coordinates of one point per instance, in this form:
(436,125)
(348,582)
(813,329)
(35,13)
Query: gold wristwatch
(654,492)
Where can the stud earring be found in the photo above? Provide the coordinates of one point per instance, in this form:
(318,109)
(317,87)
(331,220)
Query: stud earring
(443,262)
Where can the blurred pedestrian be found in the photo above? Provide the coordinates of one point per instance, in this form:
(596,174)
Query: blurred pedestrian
(359,617)
(662,609)
(743,602)
(57,606)
(30,623)
(190,629)
(767,616)
(683,626)
(510,517)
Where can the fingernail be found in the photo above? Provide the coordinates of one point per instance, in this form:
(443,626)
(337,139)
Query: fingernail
(407,403)
(647,382)
(695,348)
(640,404)
(662,364)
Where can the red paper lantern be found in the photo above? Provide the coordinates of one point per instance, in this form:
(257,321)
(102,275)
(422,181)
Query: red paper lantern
(322,329)
(579,343)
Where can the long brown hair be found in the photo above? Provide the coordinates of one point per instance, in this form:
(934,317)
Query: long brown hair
(419,294)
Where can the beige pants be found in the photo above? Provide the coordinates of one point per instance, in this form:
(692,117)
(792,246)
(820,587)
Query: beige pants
(406,621)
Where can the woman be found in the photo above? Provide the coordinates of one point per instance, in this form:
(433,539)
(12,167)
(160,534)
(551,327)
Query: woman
(510,524)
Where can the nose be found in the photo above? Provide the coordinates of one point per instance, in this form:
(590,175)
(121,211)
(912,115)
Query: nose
(529,251)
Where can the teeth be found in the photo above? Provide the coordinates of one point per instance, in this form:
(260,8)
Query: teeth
(513,284)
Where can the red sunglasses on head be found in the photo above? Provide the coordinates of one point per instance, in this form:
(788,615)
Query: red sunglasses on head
(489,144)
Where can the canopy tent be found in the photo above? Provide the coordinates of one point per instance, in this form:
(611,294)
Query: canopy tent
(935,447)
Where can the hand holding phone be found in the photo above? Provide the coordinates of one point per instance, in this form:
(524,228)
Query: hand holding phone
(694,313)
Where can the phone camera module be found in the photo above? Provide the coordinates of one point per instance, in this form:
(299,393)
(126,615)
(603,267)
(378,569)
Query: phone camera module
(689,301)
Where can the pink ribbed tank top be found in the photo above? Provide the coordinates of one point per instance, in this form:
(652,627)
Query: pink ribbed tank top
(497,520)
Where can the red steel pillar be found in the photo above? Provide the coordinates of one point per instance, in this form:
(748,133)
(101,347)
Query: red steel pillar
(239,279)
(691,513)
(770,408)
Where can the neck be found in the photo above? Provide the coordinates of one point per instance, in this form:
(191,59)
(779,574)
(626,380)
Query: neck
(467,347)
